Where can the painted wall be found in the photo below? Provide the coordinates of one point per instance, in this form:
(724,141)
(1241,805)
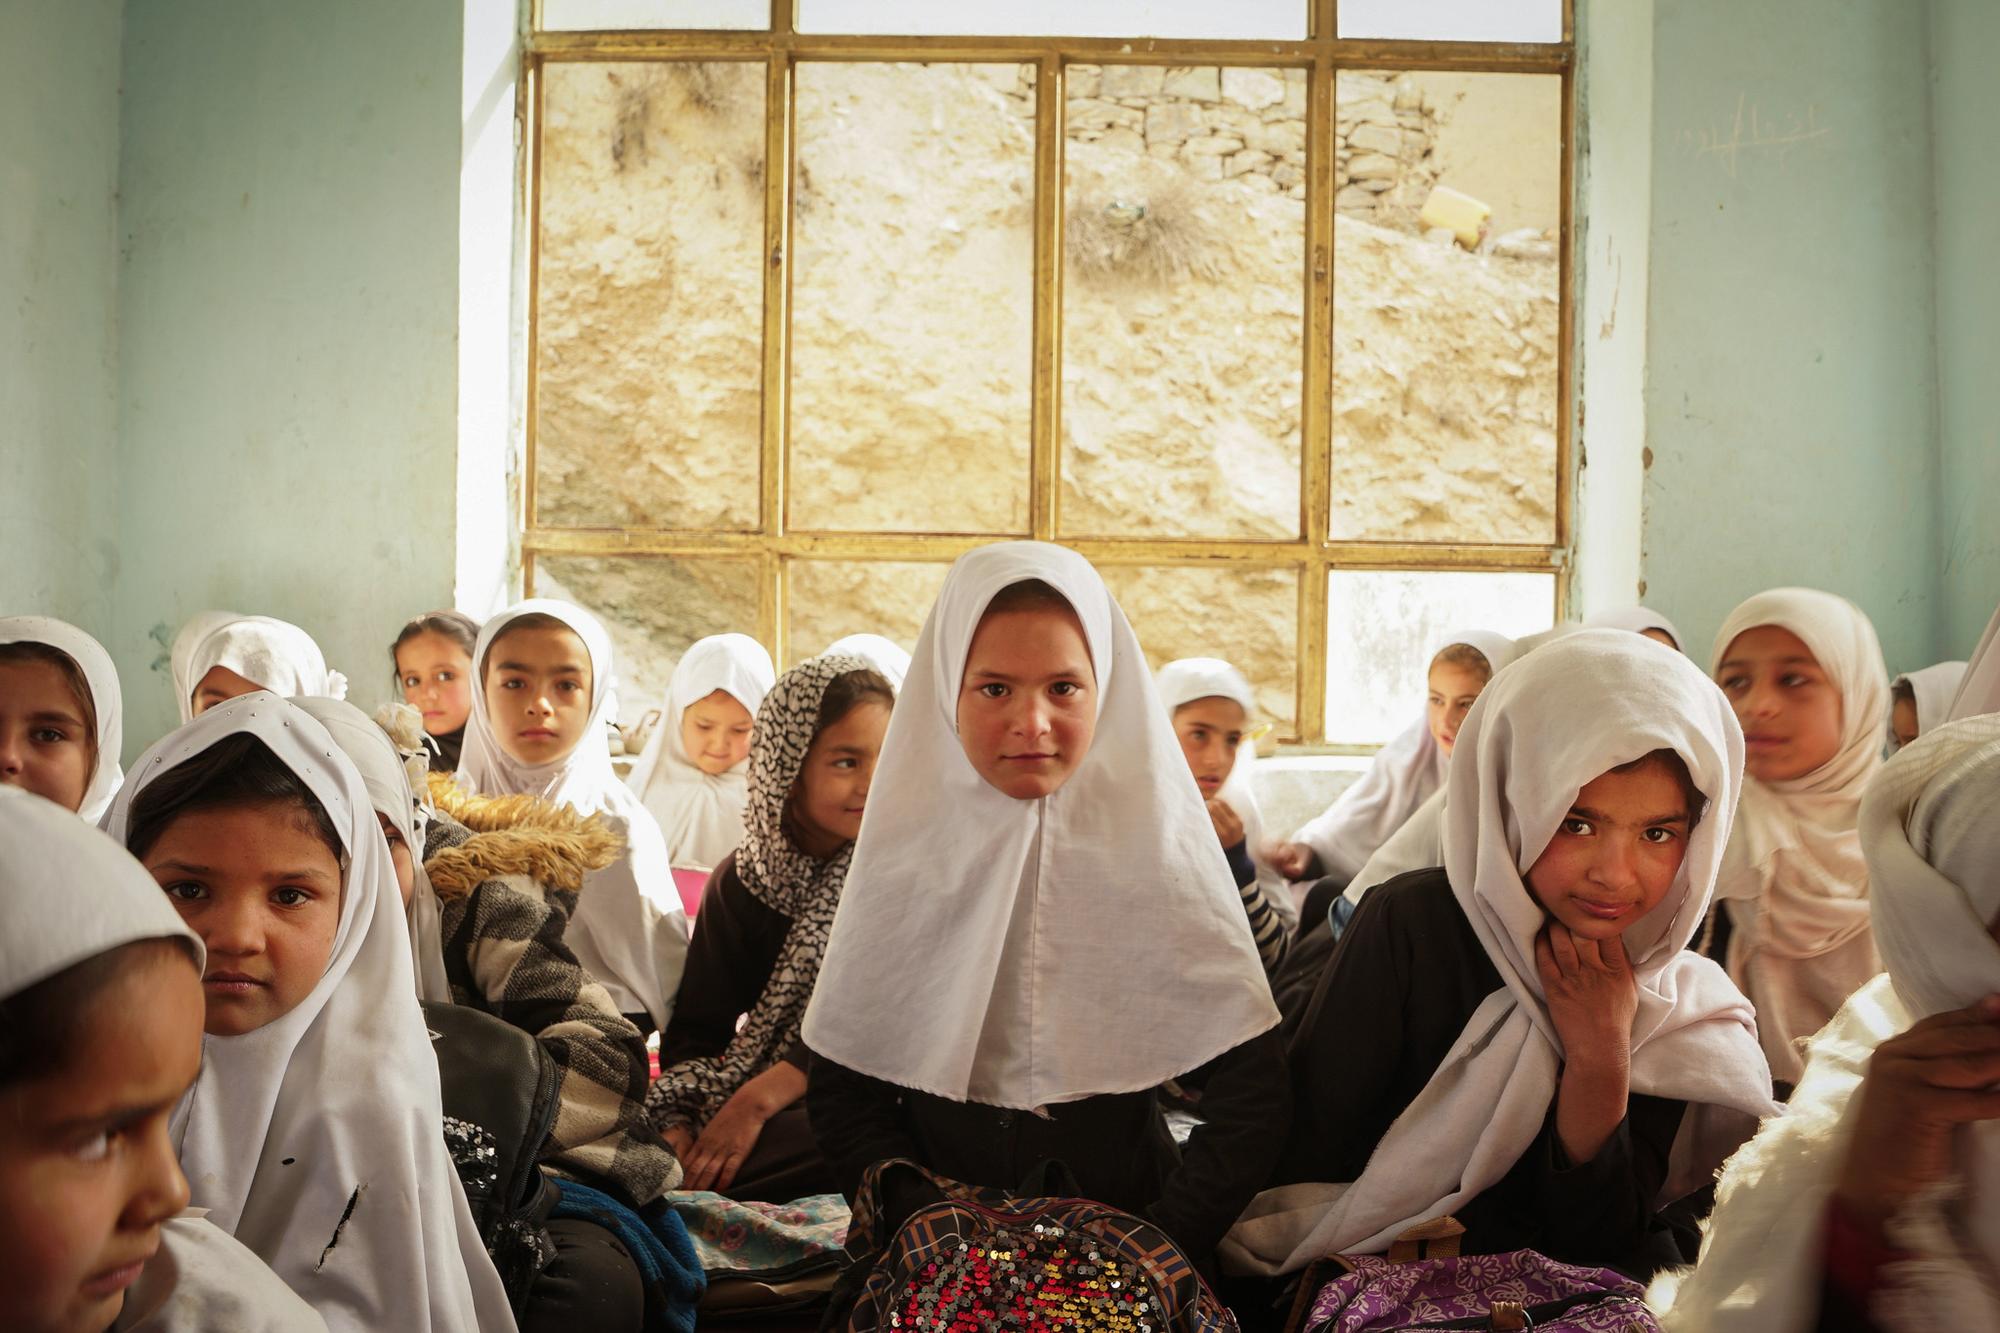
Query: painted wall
(1965,44)
(58,307)
(1791,394)
(289,299)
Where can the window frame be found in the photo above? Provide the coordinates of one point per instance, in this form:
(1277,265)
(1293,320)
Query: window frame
(1312,556)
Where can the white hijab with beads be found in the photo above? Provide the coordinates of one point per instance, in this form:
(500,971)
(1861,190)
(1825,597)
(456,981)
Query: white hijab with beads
(630,931)
(101,677)
(273,655)
(1037,943)
(701,813)
(317,1139)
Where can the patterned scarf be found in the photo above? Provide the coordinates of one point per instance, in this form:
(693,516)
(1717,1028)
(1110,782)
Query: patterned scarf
(784,879)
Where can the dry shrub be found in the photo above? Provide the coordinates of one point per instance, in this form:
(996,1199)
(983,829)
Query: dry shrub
(1151,230)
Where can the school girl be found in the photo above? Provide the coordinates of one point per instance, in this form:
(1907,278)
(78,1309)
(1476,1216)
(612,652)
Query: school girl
(314,1131)
(1637,620)
(100,1036)
(240,654)
(1920,700)
(1804,673)
(1063,931)
(1520,1039)
(692,774)
(61,717)
(433,657)
(546,686)
(730,1093)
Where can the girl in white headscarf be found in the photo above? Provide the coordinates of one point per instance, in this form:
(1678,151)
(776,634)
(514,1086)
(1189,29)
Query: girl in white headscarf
(181,656)
(1804,673)
(1637,620)
(885,655)
(61,717)
(547,683)
(1521,1039)
(1919,701)
(100,1034)
(1065,932)
(1874,1201)
(314,1133)
(693,774)
(1210,705)
(247,653)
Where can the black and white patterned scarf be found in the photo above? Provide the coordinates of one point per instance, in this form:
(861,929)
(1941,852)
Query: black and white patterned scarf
(784,879)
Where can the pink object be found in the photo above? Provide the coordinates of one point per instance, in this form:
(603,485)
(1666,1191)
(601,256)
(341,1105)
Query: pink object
(690,882)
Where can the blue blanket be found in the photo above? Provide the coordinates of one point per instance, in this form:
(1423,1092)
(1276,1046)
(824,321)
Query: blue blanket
(658,1242)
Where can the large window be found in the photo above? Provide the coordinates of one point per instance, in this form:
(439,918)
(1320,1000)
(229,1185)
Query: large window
(1261,306)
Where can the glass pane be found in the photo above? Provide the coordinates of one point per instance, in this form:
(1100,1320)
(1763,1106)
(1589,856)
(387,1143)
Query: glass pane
(831,599)
(650,327)
(1277,20)
(1184,301)
(613,15)
(654,607)
(1380,627)
(912,297)
(1454,20)
(1248,616)
(1446,304)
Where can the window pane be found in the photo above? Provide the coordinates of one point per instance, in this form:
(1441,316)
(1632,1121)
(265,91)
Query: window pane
(912,304)
(612,15)
(1183,302)
(1454,20)
(1380,627)
(654,607)
(650,325)
(1445,357)
(1278,20)
(1250,617)
(831,599)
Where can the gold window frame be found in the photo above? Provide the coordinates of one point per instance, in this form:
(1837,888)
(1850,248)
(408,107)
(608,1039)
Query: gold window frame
(1313,556)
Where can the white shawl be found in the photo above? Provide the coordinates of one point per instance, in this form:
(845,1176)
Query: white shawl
(270,654)
(1793,876)
(1635,619)
(1932,844)
(102,678)
(317,1140)
(700,813)
(1037,946)
(885,655)
(1931,689)
(1980,691)
(181,657)
(1520,760)
(630,931)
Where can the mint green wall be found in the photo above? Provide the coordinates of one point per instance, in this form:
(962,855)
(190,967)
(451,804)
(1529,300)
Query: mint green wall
(1791,387)
(289,300)
(1965,107)
(58,307)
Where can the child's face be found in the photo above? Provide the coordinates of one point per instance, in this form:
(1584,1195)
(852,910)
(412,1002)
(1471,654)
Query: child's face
(833,784)
(220,685)
(45,747)
(1789,708)
(1027,706)
(1210,730)
(1903,720)
(263,892)
(538,692)
(436,675)
(87,1167)
(1616,852)
(1453,690)
(715,732)
(401,856)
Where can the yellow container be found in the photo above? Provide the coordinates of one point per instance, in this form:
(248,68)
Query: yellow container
(1465,217)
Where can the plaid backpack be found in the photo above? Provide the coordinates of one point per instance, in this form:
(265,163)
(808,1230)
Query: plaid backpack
(981,1260)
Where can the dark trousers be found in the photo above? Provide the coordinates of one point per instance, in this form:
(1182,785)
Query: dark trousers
(591,1284)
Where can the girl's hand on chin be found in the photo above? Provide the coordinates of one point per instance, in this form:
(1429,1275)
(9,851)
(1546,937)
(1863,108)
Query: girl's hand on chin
(1591,991)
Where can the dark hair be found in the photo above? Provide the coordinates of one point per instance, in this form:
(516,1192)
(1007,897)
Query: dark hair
(1902,689)
(40,1026)
(66,666)
(848,691)
(457,626)
(235,771)
(1028,595)
(533,620)
(1697,804)
(1467,656)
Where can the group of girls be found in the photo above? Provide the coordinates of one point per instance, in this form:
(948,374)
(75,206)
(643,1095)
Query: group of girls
(1555,958)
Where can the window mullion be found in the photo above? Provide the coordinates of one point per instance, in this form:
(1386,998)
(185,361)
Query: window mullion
(1045,447)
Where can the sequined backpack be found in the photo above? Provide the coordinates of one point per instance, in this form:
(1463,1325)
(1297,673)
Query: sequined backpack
(984,1260)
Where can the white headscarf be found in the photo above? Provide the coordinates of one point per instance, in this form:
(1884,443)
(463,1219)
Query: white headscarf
(385,766)
(1931,689)
(1794,872)
(326,1125)
(1036,943)
(270,654)
(629,931)
(1193,678)
(700,813)
(1519,762)
(188,638)
(1404,774)
(1633,619)
(102,678)
(1980,691)
(885,655)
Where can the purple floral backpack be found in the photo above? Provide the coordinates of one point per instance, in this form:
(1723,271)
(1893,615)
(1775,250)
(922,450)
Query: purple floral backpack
(1516,1290)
